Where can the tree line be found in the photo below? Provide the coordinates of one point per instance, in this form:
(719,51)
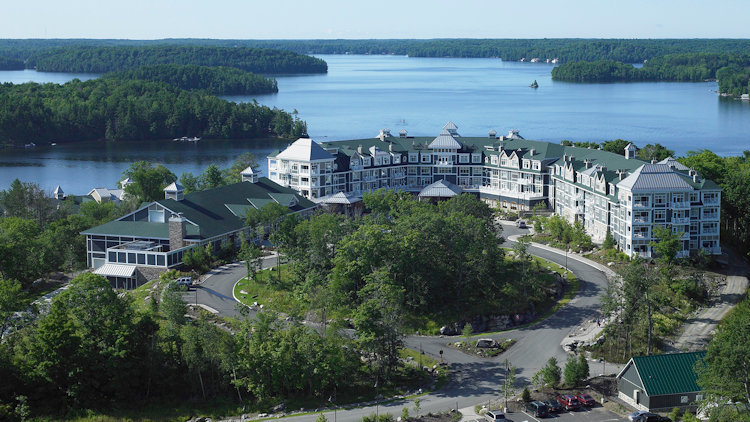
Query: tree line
(565,49)
(9,63)
(116,109)
(214,80)
(97,350)
(86,59)
(729,69)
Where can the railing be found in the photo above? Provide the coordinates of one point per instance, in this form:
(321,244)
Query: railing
(640,204)
(710,201)
(641,220)
(681,220)
(712,216)
(640,235)
(680,204)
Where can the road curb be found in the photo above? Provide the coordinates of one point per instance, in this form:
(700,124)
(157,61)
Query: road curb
(606,270)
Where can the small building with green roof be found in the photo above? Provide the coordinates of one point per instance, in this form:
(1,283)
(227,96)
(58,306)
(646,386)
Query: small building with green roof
(661,382)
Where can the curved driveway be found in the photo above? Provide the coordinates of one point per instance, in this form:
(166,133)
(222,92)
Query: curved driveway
(475,380)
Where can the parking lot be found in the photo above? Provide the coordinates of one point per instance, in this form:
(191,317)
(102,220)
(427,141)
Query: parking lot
(596,414)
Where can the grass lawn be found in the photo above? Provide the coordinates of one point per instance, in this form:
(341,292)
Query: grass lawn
(265,289)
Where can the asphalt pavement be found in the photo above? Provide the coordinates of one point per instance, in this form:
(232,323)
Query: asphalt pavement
(474,380)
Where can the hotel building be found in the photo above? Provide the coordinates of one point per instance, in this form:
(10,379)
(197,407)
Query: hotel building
(603,190)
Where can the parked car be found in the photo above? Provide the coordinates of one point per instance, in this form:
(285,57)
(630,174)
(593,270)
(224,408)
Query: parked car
(586,400)
(554,406)
(494,416)
(569,402)
(643,416)
(184,281)
(537,408)
(520,224)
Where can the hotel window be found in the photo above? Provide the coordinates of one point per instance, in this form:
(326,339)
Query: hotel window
(476,158)
(425,158)
(660,215)
(525,164)
(463,158)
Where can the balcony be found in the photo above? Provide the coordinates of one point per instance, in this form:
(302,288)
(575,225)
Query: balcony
(680,205)
(640,204)
(640,235)
(680,220)
(710,201)
(641,220)
(712,216)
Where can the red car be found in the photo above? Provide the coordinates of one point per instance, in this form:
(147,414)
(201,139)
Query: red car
(569,402)
(586,400)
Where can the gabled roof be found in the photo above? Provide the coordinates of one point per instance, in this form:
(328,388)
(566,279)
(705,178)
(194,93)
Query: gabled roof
(58,190)
(340,198)
(174,187)
(655,177)
(210,212)
(440,189)
(670,373)
(445,140)
(304,149)
(672,162)
(450,126)
(592,170)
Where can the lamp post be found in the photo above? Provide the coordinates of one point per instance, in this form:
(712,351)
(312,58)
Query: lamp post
(604,366)
(377,402)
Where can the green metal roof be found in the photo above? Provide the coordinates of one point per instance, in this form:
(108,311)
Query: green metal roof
(670,373)
(138,229)
(214,211)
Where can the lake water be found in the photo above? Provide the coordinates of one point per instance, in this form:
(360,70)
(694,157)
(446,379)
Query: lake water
(362,94)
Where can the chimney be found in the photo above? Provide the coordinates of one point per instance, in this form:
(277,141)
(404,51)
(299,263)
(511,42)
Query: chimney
(696,178)
(492,134)
(177,231)
(390,147)
(359,149)
(653,161)
(588,163)
(532,151)
(621,174)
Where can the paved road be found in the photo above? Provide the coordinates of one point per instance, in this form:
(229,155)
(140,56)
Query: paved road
(475,380)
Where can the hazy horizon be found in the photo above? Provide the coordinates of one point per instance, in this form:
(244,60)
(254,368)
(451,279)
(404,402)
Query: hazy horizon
(387,19)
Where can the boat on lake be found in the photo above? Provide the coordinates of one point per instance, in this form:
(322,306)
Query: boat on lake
(534,84)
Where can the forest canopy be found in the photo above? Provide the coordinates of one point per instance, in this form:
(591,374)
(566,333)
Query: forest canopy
(215,80)
(9,63)
(115,109)
(86,59)
(729,69)
(565,49)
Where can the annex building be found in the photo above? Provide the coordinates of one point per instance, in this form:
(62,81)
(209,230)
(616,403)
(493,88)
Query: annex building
(658,383)
(155,237)
(603,190)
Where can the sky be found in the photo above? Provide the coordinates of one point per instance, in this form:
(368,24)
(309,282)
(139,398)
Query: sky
(357,19)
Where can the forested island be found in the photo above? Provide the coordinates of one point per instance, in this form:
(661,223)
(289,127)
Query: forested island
(85,59)
(117,109)
(730,69)
(215,80)
(565,49)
